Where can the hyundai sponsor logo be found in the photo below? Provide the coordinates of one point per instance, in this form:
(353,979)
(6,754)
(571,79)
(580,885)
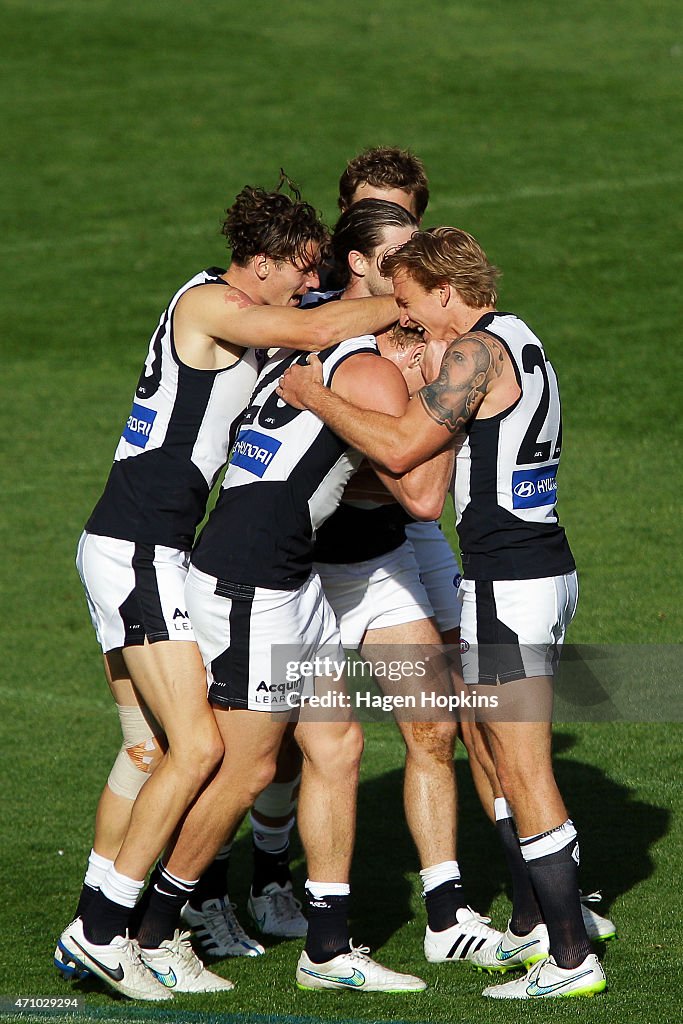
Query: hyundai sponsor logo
(254,451)
(534,487)
(139,425)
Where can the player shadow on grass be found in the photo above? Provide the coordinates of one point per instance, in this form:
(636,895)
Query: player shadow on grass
(613,859)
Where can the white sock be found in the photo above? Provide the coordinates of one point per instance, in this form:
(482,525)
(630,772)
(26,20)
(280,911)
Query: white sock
(446,871)
(120,888)
(271,838)
(545,843)
(96,870)
(321,889)
(502,809)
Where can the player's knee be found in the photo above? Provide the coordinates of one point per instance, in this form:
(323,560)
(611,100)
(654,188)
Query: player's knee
(198,752)
(519,773)
(434,741)
(209,753)
(261,776)
(349,749)
(141,752)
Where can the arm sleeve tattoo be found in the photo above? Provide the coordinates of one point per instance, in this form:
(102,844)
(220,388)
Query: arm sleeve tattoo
(469,366)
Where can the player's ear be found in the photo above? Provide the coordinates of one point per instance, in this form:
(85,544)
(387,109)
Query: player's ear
(444,294)
(358,263)
(261,266)
(416,354)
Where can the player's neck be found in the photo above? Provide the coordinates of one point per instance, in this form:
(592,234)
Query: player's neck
(356,289)
(245,280)
(465,317)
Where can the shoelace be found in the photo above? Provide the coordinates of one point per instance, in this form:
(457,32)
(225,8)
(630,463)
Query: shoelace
(592,897)
(282,903)
(359,952)
(479,924)
(536,968)
(138,967)
(225,924)
(182,948)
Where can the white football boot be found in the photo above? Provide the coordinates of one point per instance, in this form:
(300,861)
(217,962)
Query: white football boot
(512,951)
(356,971)
(545,980)
(461,940)
(118,963)
(599,929)
(277,912)
(69,968)
(218,931)
(177,967)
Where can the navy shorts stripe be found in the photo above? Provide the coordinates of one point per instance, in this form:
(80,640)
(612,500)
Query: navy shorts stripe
(497,645)
(231,668)
(147,593)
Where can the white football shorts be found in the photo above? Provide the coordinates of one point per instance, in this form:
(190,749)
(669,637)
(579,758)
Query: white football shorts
(514,629)
(379,592)
(439,572)
(135,592)
(258,644)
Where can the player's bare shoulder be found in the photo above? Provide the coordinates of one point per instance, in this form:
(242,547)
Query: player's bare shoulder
(471,366)
(202,325)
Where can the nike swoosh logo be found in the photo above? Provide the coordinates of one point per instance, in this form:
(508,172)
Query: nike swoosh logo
(534,989)
(116,973)
(507,954)
(354,980)
(168,979)
(260,921)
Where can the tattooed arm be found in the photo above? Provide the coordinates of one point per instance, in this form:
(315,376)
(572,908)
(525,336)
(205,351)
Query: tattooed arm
(471,366)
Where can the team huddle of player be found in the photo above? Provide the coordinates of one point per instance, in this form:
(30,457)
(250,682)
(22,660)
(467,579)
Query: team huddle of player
(324,537)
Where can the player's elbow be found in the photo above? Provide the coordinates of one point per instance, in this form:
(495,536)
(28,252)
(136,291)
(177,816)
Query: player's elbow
(399,460)
(425,507)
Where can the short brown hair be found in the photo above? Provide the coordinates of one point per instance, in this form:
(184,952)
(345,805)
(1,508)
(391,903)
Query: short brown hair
(385,167)
(279,225)
(446,254)
(403,337)
(362,227)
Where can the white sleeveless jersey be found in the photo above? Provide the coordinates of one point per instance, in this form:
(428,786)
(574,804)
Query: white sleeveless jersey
(506,471)
(357,532)
(175,441)
(286,475)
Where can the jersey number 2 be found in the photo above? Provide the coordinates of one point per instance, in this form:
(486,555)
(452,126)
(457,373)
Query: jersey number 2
(531,449)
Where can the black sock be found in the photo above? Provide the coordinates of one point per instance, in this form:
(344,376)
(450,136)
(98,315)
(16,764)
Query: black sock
(167,897)
(270,867)
(442,904)
(213,885)
(328,927)
(140,908)
(555,879)
(103,919)
(84,900)
(526,913)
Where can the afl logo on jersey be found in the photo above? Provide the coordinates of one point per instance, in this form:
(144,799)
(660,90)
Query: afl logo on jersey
(534,487)
(139,425)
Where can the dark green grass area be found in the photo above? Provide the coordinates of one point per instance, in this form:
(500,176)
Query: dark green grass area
(552,133)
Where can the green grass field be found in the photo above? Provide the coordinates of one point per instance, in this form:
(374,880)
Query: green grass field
(549,131)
